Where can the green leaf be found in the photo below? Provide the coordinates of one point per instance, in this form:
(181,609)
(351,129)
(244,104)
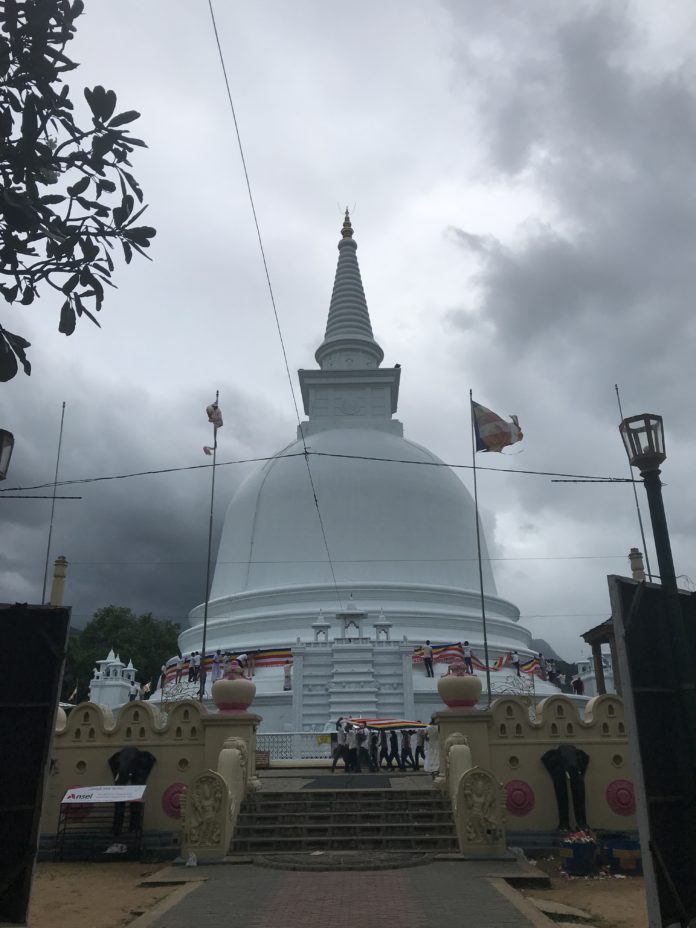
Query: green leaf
(123,118)
(52,198)
(102,102)
(8,361)
(67,319)
(27,296)
(141,235)
(8,364)
(79,187)
(71,283)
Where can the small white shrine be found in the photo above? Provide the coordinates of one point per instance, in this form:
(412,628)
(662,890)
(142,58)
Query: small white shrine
(111,681)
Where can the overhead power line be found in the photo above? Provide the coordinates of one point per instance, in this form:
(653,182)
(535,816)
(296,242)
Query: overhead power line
(310,453)
(271,294)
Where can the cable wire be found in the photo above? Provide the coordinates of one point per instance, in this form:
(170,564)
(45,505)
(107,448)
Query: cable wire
(270,290)
(309,452)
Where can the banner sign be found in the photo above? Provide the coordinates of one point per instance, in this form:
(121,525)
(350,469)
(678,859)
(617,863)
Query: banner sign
(84,794)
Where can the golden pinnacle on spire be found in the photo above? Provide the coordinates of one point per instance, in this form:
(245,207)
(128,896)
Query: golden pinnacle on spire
(347,229)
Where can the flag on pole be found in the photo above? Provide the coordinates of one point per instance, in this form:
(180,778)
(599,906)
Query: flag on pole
(207,450)
(214,415)
(492,432)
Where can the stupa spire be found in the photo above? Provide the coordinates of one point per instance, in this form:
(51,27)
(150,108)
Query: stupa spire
(348,342)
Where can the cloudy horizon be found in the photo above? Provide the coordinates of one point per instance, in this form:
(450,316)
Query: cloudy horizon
(520,187)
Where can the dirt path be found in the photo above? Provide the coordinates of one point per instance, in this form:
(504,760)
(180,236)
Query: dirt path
(613,903)
(78,895)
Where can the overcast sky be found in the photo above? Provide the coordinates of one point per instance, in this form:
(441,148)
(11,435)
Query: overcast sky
(521,180)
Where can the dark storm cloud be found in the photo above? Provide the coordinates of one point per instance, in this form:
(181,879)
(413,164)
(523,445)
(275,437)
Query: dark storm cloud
(541,138)
(140,541)
(600,289)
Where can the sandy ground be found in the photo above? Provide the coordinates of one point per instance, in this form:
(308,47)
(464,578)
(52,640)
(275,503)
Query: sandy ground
(77,895)
(613,903)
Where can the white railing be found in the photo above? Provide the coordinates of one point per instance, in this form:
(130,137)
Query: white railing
(295,745)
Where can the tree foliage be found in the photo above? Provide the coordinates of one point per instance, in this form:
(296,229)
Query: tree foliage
(146,641)
(68,197)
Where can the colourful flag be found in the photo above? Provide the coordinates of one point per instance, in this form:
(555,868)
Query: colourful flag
(214,415)
(492,432)
(207,450)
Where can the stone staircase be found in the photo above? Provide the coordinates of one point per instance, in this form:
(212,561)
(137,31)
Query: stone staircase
(335,820)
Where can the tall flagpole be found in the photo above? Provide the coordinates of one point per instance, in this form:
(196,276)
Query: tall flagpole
(478,548)
(53,505)
(207,568)
(635,493)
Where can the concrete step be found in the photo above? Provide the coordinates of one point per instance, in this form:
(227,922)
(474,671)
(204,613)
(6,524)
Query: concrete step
(333,842)
(421,816)
(307,829)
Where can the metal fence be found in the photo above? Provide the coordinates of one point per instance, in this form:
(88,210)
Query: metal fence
(295,745)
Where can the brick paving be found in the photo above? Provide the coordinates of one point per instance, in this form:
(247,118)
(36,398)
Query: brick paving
(439,893)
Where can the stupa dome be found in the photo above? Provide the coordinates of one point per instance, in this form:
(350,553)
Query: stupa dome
(351,520)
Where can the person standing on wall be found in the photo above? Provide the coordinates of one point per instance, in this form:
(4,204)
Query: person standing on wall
(428,659)
(516,662)
(468,659)
(133,691)
(179,669)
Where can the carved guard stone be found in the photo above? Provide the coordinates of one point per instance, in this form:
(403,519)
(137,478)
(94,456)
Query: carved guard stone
(480,812)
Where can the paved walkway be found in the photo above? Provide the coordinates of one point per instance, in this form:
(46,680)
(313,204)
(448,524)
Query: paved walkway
(441,893)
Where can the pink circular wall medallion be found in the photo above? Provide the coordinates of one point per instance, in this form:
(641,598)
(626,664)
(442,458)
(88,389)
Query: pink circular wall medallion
(519,797)
(171,799)
(620,797)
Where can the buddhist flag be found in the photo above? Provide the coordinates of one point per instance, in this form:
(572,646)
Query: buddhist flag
(214,415)
(492,432)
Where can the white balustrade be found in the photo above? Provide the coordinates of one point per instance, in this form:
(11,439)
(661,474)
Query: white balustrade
(295,745)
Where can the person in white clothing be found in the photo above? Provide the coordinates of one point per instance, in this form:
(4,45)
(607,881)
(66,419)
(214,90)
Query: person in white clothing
(353,753)
(432,748)
(468,660)
(420,746)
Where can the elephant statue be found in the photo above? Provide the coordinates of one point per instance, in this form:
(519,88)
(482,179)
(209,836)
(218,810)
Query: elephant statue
(568,763)
(130,766)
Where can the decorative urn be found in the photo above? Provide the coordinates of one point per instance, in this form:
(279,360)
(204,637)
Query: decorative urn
(235,695)
(458,689)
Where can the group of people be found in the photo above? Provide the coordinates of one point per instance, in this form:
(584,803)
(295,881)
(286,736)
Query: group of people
(223,664)
(428,658)
(361,747)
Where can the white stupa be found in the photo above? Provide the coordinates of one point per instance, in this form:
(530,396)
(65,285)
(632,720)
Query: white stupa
(399,528)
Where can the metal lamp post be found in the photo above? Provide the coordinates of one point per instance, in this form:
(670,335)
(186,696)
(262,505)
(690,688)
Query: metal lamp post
(6,446)
(644,438)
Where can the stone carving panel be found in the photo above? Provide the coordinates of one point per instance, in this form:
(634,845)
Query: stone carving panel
(479,807)
(205,811)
